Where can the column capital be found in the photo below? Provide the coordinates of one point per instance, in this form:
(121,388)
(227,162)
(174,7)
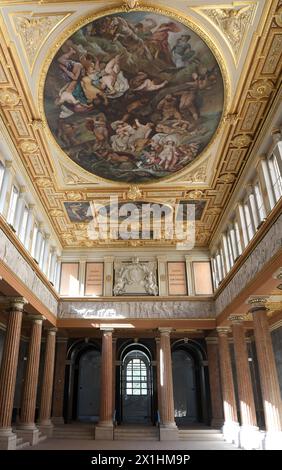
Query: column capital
(106,330)
(165,331)
(51,330)
(257,303)
(237,319)
(17,303)
(211,340)
(35,318)
(222,330)
(8,164)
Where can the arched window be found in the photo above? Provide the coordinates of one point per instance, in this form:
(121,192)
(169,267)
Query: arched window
(136,377)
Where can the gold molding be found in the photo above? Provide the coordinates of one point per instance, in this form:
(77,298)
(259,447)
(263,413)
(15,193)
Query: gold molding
(34,29)
(228,20)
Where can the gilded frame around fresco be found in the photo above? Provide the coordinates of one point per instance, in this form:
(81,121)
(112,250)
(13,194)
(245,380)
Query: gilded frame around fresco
(174,14)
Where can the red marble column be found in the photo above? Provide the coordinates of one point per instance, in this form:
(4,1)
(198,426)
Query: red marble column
(104,429)
(8,372)
(214,379)
(114,342)
(168,428)
(45,423)
(59,381)
(268,374)
(231,425)
(27,427)
(249,435)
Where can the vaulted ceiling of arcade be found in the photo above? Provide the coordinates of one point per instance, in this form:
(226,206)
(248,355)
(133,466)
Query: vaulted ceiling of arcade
(140,100)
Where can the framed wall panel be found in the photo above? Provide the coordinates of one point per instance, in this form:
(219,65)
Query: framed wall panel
(69,281)
(177,280)
(94,279)
(202,278)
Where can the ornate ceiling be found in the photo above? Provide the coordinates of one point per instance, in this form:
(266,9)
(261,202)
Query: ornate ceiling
(245,40)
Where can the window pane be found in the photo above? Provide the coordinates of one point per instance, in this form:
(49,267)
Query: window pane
(13,205)
(23,225)
(2,171)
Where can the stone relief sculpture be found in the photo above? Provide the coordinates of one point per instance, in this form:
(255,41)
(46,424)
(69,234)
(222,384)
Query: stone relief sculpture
(135,278)
(140,309)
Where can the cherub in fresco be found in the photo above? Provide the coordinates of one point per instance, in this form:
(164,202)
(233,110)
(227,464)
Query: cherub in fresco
(168,156)
(143,82)
(98,125)
(92,92)
(168,107)
(66,132)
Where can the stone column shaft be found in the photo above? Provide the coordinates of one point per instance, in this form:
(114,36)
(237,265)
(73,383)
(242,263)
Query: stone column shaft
(59,381)
(45,423)
(8,373)
(104,429)
(31,377)
(228,393)
(168,430)
(268,372)
(244,380)
(215,387)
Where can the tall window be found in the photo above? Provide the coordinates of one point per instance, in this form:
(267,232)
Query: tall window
(13,205)
(260,203)
(136,377)
(41,254)
(23,225)
(2,171)
(249,222)
(34,238)
(237,237)
(276,177)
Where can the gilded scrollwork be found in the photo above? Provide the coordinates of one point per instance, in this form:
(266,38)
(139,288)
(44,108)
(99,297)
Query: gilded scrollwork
(34,30)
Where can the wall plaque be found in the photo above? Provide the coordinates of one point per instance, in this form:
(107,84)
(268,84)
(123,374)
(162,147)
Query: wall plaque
(177,282)
(94,279)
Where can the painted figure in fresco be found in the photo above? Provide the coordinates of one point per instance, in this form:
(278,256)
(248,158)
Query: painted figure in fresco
(158,43)
(133,97)
(98,125)
(168,107)
(182,52)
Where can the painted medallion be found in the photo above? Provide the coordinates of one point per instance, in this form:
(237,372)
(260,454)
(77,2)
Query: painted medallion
(134,97)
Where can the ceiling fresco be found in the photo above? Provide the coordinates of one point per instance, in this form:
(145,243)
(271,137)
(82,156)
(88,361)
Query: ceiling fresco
(76,98)
(134,97)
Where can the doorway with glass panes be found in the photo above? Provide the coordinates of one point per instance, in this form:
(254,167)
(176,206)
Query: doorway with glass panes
(136,386)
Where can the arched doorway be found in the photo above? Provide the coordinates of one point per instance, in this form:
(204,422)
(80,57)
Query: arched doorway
(189,383)
(136,385)
(82,385)
(88,396)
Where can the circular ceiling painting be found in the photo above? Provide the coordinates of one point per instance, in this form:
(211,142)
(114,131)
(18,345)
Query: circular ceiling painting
(134,97)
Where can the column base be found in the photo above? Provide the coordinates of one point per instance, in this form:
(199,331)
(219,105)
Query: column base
(58,420)
(250,437)
(8,439)
(46,428)
(217,423)
(169,432)
(231,430)
(29,434)
(272,441)
(104,432)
